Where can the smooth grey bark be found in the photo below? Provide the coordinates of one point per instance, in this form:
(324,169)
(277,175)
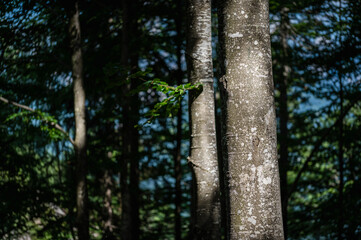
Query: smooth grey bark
(250,137)
(286,70)
(203,153)
(82,215)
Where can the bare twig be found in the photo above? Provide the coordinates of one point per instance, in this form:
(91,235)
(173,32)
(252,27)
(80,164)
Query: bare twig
(196,165)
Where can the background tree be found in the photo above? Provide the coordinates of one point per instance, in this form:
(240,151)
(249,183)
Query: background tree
(82,215)
(130,139)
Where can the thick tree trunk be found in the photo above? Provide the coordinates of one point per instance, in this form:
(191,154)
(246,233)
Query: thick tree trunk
(253,178)
(203,155)
(284,116)
(130,136)
(82,216)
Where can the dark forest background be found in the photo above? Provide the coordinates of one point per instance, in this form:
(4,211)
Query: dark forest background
(316,48)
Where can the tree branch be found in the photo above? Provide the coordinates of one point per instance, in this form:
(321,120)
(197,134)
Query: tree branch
(319,143)
(27,108)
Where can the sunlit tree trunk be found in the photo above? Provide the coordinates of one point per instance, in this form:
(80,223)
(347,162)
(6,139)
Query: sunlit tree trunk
(250,137)
(284,29)
(82,215)
(203,155)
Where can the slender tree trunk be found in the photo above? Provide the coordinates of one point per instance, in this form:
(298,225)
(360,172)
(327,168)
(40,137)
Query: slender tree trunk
(130,136)
(203,155)
(340,165)
(134,171)
(340,142)
(283,161)
(82,216)
(57,151)
(253,178)
(178,156)
(134,164)
(178,177)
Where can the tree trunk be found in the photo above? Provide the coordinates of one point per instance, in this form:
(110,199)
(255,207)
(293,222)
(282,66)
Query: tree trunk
(340,166)
(253,178)
(340,223)
(82,216)
(178,177)
(203,154)
(177,154)
(107,208)
(284,116)
(130,136)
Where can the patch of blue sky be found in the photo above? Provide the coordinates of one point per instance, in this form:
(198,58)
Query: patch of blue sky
(157,25)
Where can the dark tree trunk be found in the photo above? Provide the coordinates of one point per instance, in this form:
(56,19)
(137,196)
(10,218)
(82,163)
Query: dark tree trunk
(283,161)
(177,154)
(82,215)
(178,177)
(130,136)
(340,143)
(340,165)
(107,208)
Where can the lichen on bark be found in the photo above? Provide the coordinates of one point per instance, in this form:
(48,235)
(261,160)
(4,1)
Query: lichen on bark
(250,122)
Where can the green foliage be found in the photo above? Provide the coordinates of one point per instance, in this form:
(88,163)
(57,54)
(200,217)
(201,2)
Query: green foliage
(173,96)
(46,122)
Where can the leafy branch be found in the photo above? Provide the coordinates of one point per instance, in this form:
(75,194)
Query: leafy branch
(169,105)
(51,124)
